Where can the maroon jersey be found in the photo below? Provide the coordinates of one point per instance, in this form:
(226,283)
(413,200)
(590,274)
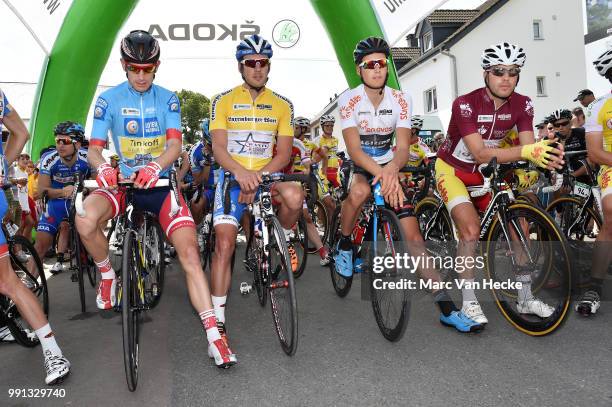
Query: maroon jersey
(475,113)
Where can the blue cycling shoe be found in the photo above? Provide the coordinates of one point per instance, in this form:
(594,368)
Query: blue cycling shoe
(461,322)
(344,262)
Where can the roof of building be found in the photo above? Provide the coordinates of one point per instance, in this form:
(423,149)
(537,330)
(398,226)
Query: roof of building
(405,53)
(451,16)
(484,11)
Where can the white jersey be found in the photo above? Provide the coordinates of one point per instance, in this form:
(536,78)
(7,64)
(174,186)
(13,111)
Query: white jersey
(376,126)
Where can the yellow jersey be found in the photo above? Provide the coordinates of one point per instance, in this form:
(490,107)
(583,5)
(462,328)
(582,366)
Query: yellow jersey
(599,119)
(331,143)
(252,125)
(418,153)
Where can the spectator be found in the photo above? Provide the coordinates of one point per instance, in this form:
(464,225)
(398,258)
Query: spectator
(438,139)
(550,129)
(542,130)
(585,97)
(578,118)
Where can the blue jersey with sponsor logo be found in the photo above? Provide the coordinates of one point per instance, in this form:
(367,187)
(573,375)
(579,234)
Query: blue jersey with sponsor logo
(199,158)
(137,123)
(61,174)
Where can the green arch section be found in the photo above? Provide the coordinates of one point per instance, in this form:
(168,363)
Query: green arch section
(82,48)
(75,65)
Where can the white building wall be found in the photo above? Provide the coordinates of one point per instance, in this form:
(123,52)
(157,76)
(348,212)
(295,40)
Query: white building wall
(597,83)
(559,56)
(434,72)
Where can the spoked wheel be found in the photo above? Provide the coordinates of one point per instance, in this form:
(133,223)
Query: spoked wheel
(82,265)
(535,254)
(299,243)
(282,290)
(154,265)
(25,269)
(254,263)
(130,308)
(391,305)
(321,222)
(342,285)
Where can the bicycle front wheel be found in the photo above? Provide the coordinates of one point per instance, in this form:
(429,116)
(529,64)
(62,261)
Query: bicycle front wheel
(130,307)
(390,299)
(342,285)
(531,250)
(154,264)
(281,288)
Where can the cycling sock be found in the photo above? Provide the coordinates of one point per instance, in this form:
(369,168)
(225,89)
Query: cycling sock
(106,269)
(219,307)
(524,293)
(467,291)
(47,340)
(596,285)
(345,243)
(323,252)
(444,302)
(210,325)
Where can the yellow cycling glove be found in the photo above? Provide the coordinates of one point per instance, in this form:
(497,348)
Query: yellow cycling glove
(526,179)
(538,153)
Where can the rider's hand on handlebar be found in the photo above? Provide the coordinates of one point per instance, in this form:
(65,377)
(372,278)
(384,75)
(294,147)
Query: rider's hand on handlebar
(107,176)
(546,154)
(391,188)
(67,191)
(249,180)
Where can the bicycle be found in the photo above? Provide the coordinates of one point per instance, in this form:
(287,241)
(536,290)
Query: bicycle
(9,314)
(142,272)
(268,257)
(379,226)
(503,217)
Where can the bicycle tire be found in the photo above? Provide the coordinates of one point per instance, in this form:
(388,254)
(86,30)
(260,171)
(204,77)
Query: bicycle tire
(592,213)
(253,263)
(391,327)
(299,239)
(562,272)
(321,221)
(22,332)
(130,308)
(77,247)
(443,230)
(154,258)
(342,285)
(281,289)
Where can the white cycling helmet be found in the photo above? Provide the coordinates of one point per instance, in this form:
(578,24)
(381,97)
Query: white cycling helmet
(328,118)
(301,121)
(417,122)
(503,54)
(604,62)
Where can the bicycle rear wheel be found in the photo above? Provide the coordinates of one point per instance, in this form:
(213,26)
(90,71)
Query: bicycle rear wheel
(81,263)
(154,265)
(253,263)
(391,306)
(281,288)
(541,252)
(342,285)
(130,307)
(19,327)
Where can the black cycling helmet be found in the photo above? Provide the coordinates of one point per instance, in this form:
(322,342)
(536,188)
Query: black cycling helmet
(140,47)
(369,46)
(72,129)
(560,114)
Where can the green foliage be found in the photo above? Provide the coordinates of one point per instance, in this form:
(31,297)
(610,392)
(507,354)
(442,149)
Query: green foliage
(194,108)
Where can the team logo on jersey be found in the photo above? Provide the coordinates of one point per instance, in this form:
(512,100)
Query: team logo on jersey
(363,124)
(241,106)
(173,104)
(403,115)
(482,130)
(131,126)
(347,111)
(253,147)
(128,111)
(100,108)
(609,123)
(506,116)
(466,109)
(485,118)
(529,107)
(151,127)
(385,112)
(262,106)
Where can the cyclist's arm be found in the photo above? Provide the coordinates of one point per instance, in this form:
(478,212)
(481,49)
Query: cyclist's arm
(200,177)
(94,155)
(222,156)
(19,134)
(183,169)
(597,155)
(284,145)
(483,155)
(359,157)
(44,187)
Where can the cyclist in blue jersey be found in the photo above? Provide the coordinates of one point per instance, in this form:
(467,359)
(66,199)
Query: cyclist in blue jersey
(57,170)
(56,365)
(205,172)
(144,121)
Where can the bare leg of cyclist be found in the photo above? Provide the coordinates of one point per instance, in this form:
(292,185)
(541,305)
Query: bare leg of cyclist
(44,240)
(197,209)
(290,197)
(62,246)
(330,205)
(225,244)
(29,308)
(359,192)
(314,238)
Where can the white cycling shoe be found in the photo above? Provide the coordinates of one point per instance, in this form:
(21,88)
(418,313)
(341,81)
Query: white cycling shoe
(473,311)
(535,306)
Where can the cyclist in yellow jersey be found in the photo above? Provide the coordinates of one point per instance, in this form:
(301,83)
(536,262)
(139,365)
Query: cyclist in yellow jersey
(246,123)
(328,148)
(598,129)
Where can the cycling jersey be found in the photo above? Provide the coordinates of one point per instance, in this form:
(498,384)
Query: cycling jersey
(299,156)
(331,143)
(475,113)
(376,126)
(599,119)
(251,125)
(419,152)
(60,175)
(199,158)
(140,123)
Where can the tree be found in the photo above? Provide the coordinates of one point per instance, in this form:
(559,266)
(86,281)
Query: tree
(194,108)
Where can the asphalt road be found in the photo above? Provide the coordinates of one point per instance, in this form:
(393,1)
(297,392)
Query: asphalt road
(341,359)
